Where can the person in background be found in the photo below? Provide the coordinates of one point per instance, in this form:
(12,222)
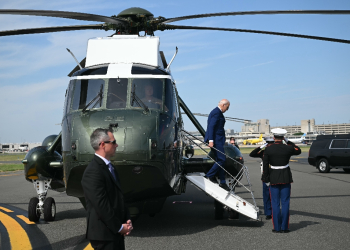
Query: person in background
(259,153)
(233,142)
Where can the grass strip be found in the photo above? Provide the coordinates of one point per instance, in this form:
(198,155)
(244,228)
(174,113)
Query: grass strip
(11,167)
(12,157)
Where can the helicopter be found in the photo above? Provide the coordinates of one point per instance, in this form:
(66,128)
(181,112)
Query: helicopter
(108,89)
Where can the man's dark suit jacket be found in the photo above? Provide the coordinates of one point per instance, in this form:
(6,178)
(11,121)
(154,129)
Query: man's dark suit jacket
(106,211)
(215,129)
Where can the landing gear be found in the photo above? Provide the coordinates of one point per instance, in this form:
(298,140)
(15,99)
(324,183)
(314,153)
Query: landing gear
(33,209)
(49,209)
(41,205)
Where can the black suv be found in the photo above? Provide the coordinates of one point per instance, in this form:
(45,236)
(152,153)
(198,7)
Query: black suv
(330,151)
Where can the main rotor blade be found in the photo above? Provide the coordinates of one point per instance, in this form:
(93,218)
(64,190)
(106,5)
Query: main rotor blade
(51,29)
(169,26)
(264,12)
(65,14)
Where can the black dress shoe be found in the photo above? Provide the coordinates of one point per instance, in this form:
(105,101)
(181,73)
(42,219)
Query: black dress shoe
(285,231)
(268,217)
(224,186)
(274,231)
(212,179)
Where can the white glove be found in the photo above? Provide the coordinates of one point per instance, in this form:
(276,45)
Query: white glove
(267,184)
(263,146)
(285,139)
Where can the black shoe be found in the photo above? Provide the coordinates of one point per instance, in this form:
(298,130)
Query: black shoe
(212,179)
(268,217)
(285,231)
(274,231)
(224,186)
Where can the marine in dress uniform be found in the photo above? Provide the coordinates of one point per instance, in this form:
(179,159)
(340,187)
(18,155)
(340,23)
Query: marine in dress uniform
(276,171)
(259,153)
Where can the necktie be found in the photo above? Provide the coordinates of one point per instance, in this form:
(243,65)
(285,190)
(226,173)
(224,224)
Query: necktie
(111,169)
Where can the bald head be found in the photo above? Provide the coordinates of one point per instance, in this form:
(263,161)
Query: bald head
(224,105)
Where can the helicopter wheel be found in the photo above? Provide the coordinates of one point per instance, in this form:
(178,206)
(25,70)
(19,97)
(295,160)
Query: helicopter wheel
(219,210)
(49,209)
(33,209)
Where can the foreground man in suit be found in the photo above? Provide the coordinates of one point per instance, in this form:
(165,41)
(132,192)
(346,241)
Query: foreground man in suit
(108,219)
(215,135)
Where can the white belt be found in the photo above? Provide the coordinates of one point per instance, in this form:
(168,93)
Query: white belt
(280,167)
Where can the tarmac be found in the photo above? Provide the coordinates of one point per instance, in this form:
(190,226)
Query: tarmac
(319,217)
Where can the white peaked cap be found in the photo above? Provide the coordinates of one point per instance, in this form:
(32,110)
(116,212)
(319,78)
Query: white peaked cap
(279,131)
(269,139)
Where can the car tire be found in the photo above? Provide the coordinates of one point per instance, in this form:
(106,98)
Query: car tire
(346,170)
(323,166)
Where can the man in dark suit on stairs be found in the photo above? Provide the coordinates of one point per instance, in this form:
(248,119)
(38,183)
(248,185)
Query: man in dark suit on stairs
(108,219)
(215,135)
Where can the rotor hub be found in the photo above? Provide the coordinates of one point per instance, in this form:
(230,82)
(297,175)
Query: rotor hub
(135,12)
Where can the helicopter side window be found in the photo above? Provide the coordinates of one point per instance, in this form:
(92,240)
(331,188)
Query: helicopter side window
(150,92)
(117,93)
(85,91)
(169,99)
(68,100)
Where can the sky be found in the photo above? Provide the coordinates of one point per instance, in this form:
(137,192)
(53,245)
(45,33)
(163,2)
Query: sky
(282,79)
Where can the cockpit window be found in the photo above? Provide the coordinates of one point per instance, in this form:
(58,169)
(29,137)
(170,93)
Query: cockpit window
(117,93)
(85,91)
(150,91)
(169,99)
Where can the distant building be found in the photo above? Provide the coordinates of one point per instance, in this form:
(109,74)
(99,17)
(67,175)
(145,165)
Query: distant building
(309,127)
(13,147)
(262,126)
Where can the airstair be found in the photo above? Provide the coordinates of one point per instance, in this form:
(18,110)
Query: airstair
(229,199)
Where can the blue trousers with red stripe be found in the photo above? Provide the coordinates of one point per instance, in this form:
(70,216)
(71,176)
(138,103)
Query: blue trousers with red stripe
(280,195)
(267,200)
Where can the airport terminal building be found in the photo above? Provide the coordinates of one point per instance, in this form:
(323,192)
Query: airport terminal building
(309,127)
(262,126)
(17,147)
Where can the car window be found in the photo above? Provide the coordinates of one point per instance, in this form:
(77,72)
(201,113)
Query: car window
(348,144)
(338,144)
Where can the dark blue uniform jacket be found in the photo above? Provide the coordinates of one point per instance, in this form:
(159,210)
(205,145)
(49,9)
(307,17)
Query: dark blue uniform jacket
(278,154)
